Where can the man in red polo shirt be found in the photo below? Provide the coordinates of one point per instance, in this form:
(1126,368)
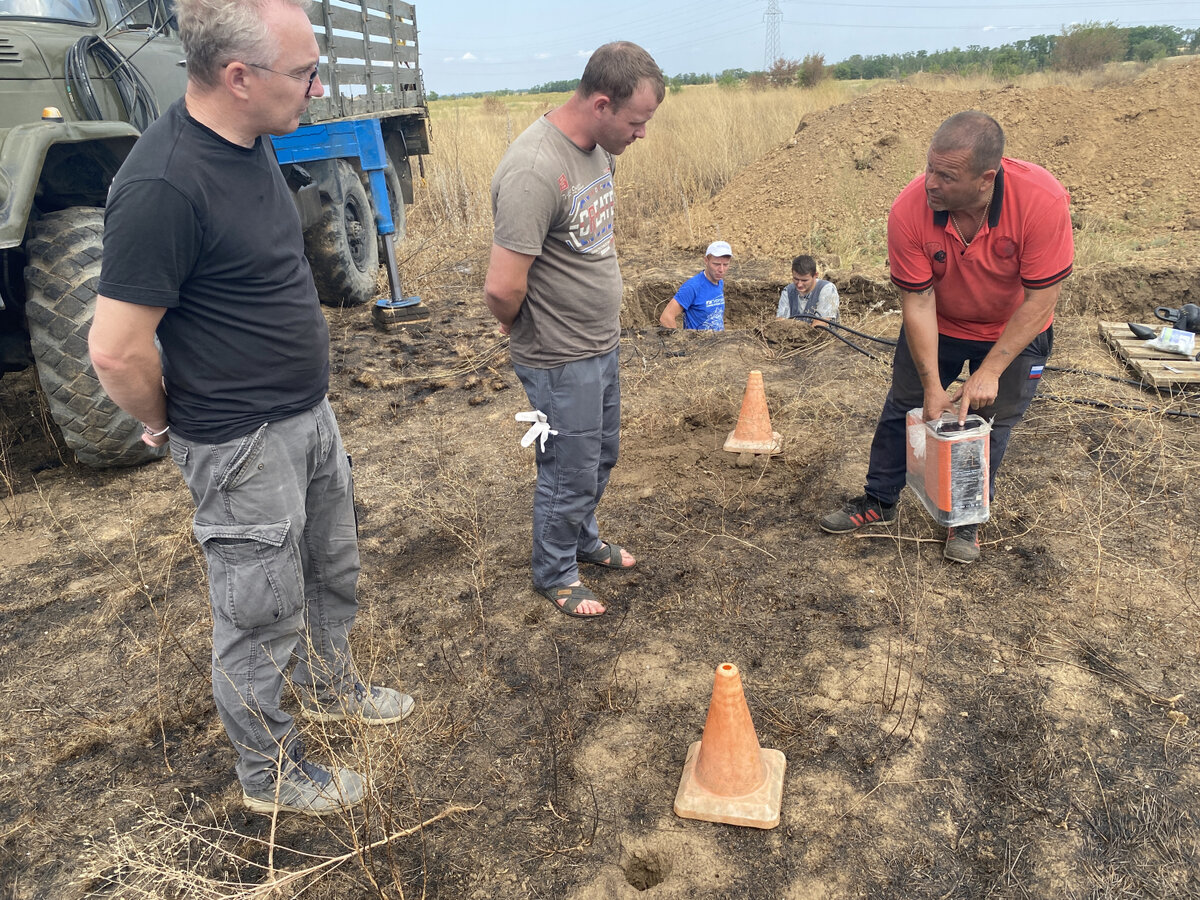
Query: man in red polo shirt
(978,246)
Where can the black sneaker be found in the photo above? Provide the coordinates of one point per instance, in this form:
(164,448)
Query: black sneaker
(860,511)
(962,543)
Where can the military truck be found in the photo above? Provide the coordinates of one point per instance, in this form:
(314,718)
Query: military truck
(81,79)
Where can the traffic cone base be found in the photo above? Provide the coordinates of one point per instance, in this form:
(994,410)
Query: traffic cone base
(758,809)
(753,433)
(771,447)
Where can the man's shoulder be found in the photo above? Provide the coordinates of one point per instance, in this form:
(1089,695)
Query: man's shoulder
(911,197)
(1023,175)
(153,154)
(533,148)
(699,284)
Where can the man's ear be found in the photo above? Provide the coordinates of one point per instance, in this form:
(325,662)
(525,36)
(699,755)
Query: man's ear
(235,77)
(600,103)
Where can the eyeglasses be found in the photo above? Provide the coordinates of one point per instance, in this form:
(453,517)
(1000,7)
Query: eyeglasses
(310,77)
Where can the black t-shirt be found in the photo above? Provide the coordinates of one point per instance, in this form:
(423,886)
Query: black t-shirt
(209,230)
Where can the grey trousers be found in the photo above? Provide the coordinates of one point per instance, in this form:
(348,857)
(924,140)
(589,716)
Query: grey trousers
(275,516)
(582,401)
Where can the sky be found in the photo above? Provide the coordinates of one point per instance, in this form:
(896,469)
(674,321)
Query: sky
(483,45)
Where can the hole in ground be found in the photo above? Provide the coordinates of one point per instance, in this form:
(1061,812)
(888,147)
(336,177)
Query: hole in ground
(646,870)
(748,301)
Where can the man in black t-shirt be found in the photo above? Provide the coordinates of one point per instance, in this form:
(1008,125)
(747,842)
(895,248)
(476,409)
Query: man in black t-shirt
(203,249)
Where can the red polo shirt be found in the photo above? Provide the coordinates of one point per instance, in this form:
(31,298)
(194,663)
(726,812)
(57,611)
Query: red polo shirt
(1025,243)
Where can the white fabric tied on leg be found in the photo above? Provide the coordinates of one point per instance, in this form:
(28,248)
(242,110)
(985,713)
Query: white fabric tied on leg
(538,431)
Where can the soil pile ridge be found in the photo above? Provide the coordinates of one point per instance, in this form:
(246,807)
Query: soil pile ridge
(1125,152)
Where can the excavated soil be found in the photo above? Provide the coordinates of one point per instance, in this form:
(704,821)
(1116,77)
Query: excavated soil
(1022,727)
(1126,153)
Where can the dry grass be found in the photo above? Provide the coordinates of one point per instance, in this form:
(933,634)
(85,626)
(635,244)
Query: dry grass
(699,138)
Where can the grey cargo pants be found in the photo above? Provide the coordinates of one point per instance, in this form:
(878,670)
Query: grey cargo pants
(275,516)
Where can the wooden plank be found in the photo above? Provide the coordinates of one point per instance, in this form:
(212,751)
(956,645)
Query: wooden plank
(1154,367)
(356,22)
(1162,369)
(350,48)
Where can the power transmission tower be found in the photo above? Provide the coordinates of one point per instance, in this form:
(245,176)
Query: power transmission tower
(772,18)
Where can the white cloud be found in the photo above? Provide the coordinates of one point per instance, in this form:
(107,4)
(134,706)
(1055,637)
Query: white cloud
(584,54)
(468,55)
(541,56)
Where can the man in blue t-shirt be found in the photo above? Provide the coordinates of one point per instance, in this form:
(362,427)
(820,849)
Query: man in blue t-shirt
(701,298)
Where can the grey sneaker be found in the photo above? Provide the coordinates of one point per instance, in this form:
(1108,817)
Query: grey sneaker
(962,544)
(860,511)
(367,703)
(308,789)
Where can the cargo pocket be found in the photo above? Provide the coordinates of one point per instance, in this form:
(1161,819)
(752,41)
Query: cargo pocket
(254,572)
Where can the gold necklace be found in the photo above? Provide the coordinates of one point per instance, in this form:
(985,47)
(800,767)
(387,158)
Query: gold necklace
(978,225)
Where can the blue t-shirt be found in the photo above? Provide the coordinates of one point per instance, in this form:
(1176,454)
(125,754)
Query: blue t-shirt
(703,303)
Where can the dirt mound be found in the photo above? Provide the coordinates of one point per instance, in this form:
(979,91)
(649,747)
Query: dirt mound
(1124,152)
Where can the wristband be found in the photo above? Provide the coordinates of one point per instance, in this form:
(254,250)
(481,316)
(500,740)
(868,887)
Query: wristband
(149,432)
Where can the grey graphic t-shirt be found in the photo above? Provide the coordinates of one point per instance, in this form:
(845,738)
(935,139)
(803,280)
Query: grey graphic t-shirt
(554,201)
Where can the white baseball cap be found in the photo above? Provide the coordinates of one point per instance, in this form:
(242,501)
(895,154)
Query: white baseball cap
(719,248)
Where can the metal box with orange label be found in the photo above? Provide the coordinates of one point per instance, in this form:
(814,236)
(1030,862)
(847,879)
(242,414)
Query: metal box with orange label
(948,466)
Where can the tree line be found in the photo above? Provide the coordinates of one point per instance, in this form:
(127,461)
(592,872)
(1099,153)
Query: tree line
(1077,48)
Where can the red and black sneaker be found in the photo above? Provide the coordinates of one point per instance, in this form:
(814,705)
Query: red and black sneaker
(860,511)
(962,544)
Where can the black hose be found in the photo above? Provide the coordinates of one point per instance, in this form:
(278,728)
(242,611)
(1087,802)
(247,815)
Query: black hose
(137,97)
(887,342)
(890,343)
(850,343)
(1117,378)
(1098,404)
(1104,404)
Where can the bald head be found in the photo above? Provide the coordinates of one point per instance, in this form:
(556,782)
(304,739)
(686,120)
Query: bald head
(975,132)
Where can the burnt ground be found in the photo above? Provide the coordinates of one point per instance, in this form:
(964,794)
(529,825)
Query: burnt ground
(1022,727)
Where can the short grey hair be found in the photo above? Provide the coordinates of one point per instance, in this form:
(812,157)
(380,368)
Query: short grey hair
(217,32)
(974,131)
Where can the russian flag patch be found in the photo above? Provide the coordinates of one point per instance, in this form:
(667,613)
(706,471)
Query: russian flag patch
(1036,371)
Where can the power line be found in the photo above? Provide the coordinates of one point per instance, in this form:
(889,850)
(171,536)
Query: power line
(772,50)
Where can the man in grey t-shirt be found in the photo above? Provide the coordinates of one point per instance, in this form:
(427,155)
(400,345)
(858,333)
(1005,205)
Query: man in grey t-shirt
(554,284)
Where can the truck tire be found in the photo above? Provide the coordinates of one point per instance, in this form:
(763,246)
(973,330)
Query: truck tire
(343,248)
(63,268)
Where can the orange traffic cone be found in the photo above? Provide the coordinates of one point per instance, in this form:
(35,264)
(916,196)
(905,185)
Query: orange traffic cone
(753,433)
(727,776)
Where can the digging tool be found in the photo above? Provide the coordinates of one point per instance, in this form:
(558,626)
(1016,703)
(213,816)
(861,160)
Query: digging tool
(1186,318)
